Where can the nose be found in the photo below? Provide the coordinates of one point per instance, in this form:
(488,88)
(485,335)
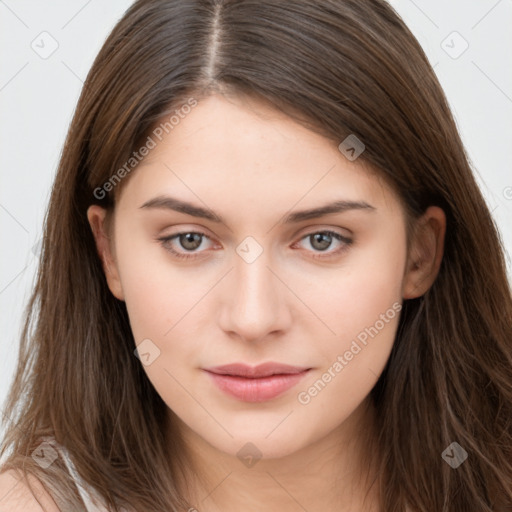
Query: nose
(254,302)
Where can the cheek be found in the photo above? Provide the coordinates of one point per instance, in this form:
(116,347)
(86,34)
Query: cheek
(369,289)
(365,285)
(160,300)
(163,300)
(149,298)
(361,303)
(157,292)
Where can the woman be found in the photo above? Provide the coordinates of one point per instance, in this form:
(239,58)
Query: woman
(269,280)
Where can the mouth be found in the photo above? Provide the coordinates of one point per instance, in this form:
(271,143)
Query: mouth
(256,384)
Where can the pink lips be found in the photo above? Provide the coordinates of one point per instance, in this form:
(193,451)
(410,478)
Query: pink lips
(256,384)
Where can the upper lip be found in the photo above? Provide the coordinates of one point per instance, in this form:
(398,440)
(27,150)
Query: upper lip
(262,370)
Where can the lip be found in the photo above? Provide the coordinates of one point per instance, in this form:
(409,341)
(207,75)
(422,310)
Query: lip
(256,384)
(261,370)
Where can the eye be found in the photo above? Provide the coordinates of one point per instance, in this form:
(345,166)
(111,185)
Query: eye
(322,240)
(188,240)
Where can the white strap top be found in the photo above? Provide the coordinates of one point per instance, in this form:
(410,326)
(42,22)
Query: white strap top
(93,502)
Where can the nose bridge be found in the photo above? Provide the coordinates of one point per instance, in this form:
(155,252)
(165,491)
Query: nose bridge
(255,304)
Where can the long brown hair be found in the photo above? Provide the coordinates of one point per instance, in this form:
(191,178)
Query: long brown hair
(340,67)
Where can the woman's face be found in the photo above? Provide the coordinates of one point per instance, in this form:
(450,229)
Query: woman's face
(264,284)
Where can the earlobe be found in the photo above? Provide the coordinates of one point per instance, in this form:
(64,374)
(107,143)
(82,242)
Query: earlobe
(96,215)
(426,253)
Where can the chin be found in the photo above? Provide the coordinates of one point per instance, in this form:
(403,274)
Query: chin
(251,449)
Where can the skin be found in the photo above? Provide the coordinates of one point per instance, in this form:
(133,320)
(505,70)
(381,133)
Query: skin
(252,165)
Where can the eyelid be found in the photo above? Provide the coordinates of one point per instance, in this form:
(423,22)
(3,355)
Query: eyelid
(310,230)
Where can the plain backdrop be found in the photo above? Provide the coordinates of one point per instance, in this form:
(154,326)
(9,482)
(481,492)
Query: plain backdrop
(47,49)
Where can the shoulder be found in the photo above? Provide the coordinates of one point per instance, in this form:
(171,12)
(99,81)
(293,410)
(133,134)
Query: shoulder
(17,496)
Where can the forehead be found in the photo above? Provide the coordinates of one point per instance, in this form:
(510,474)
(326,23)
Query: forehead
(246,153)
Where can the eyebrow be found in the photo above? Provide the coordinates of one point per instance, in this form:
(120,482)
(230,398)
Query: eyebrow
(171,203)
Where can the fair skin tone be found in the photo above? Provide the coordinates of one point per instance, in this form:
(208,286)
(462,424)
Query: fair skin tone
(17,496)
(295,303)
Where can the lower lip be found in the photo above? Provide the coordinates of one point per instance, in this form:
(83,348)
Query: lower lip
(256,390)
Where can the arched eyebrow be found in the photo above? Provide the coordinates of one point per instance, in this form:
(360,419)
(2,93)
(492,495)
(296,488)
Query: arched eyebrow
(172,203)
(329,208)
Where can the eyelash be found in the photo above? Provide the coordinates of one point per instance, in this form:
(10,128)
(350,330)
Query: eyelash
(320,255)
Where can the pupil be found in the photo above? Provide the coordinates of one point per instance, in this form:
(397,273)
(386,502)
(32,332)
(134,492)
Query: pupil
(326,240)
(187,240)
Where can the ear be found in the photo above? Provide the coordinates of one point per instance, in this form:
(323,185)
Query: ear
(425,253)
(96,216)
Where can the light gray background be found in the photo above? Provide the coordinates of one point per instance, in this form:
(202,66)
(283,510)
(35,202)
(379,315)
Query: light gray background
(38,96)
